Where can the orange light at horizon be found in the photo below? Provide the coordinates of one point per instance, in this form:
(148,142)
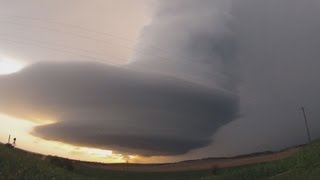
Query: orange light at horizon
(21,129)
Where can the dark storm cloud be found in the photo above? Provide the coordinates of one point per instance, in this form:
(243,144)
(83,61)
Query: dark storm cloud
(265,53)
(169,100)
(193,41)
(116,108)
(278,56)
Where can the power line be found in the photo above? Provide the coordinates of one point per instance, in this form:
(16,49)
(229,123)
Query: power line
(149,45)
(55,44)
(63,49)
(95,39)
(19,42)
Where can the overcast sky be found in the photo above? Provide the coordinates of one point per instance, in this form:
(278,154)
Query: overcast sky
(179,79)
(100,30)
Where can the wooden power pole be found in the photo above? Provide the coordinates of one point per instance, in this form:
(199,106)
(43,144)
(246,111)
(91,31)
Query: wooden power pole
(9,139)
(306,121)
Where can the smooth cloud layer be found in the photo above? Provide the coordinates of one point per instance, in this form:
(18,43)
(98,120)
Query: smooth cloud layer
(116,108)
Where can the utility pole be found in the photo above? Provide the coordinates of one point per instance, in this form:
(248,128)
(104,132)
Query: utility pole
(307,126)
(9,139)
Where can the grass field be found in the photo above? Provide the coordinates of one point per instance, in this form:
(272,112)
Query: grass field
(305,164)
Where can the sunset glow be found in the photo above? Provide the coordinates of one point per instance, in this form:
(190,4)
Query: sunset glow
(8,65)
(21,129)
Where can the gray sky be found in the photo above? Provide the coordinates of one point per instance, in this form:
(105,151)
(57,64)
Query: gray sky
(206,78)
(99,30)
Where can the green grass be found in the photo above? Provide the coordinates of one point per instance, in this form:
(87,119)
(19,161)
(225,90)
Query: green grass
(117,175)
(16,164)
(305,164)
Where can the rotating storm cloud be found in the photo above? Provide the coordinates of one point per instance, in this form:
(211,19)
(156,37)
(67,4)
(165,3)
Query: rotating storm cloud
(212,64)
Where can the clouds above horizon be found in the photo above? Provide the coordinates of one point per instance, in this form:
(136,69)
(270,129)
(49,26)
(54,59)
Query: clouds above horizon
(244,65)
(116,108)
(192,40)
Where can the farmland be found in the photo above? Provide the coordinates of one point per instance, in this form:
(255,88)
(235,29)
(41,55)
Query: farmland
(296,163)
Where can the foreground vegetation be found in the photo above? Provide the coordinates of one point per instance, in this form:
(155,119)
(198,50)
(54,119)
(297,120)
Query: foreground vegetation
(16,164)
(303,165)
